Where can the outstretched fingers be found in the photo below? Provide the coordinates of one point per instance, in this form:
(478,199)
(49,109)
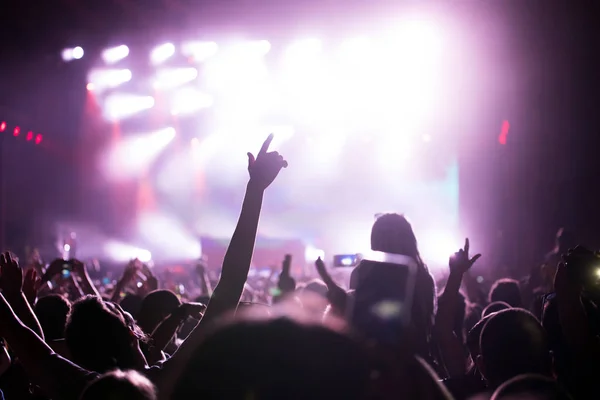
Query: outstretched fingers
(265,147)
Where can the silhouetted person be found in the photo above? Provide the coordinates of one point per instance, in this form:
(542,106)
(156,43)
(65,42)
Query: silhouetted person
(513,343)
(120,385)
(506,290)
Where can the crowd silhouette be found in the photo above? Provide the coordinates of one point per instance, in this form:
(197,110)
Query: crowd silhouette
(392,335)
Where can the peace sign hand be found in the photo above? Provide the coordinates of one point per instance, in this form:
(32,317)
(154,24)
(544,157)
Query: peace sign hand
(264,168)
(460,261)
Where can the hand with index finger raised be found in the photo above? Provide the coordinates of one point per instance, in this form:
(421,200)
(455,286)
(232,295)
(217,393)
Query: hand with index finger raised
(265,167)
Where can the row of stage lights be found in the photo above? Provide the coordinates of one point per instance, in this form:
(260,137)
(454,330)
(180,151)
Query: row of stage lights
(30,136)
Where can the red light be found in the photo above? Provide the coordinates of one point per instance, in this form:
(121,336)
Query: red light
(503,132)
(2,126)
(29,135)
(38,138)
(16,131)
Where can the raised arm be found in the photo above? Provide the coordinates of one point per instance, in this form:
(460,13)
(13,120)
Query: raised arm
(86,284)
(451,348)
(58,377)
(12,288)
(263,170)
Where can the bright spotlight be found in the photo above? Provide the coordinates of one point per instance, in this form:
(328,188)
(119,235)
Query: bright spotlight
(123,252)
(199,51)
(102,79)
(70,54)
(189,100)
(303,50)
(170,78)
(77,53)
(161,53)
(170,236)
(115,54)
(119,106)
(132,155)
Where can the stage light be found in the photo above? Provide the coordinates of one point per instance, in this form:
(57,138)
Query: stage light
(195,142)
(16,131)
(302,50)
(170,78)
(102,79)
(70,54)
(123,252)
(162,53)
(504,132)
(311,254)
(133,155)
(115,54)
(119,106)
(2,126)
(199,51)
(89,86)
(170,236)
(29,136)
(77,53)
(38,138)
(189,100)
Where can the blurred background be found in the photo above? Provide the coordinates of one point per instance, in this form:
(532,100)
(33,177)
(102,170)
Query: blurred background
(124,127)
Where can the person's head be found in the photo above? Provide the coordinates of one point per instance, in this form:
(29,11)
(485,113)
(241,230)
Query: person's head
(495,307)
(565,240)
(131,303)
(513,342)
(52,311)
(156,306)
(120,385)
(506,290)
(100,336)
(530,386)
(275,359)
(392,233)
(316,286)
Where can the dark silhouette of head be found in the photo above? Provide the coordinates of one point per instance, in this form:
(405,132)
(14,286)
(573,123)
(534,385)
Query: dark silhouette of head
(506,290)
(513,343)
(316,286)
(132,303)
(52,311)
(275,359)
(120,385)
(565,240)
(101,337)
(392,233)
(156,306)
(530,386)
(494,307)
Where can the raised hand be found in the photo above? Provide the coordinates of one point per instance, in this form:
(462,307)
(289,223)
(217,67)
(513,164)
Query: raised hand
(460,261)
(335,294)
(78,267)
(11,280)
(286,282)
(31,285)
(264,168)
(53,269)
